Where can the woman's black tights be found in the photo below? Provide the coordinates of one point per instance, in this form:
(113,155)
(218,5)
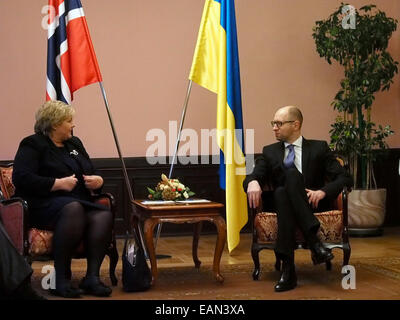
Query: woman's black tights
(74,225)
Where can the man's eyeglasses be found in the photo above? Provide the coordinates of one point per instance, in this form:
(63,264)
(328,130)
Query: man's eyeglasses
(280,123)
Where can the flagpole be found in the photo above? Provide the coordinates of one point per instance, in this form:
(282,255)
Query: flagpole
(128,185)
(180,126)
(189,88)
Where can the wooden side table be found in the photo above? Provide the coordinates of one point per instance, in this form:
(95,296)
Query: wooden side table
(153,214)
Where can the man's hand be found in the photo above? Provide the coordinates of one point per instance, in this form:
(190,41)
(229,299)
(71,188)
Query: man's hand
(254,194)
(314,197)
(93,182)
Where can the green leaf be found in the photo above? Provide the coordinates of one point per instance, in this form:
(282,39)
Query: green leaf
(151,191)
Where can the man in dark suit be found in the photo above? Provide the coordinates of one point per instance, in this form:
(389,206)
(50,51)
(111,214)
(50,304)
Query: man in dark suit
(297,170)
(15,272)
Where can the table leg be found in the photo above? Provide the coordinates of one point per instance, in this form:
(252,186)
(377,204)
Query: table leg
(149,225)
(219,247)
(196,235)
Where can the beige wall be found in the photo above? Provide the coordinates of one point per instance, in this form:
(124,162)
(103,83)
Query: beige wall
(145,49)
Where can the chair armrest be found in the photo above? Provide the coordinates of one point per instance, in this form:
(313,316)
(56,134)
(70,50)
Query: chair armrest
(107,200)
(338,202)
(14,216)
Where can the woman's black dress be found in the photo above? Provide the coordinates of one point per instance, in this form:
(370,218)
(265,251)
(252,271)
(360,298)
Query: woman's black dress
(37,163)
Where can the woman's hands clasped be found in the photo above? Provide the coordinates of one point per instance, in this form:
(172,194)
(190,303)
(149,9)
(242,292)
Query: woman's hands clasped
(69,183)
(65,184)
(93,182)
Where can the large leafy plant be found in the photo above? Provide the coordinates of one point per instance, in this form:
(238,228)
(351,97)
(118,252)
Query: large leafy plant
(368,68)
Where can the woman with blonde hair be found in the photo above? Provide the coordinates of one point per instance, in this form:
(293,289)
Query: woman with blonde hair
(54,174)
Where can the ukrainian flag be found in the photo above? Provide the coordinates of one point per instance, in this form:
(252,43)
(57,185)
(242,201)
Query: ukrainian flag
(216,67)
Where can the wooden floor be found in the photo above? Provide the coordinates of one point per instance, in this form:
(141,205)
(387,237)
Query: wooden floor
(179,249)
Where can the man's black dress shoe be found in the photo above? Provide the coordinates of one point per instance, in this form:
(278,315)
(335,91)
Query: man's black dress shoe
(319,254)
(288,280)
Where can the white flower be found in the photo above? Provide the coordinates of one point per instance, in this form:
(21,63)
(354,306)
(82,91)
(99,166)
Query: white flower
(181,186)
(185,195)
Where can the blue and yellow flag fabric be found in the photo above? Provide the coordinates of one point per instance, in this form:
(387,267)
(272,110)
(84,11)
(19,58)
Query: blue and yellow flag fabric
(216,67)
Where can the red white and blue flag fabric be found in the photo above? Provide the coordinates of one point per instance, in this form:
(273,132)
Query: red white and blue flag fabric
(71,60)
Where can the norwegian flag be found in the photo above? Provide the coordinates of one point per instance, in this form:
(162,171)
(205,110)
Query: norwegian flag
(71,60)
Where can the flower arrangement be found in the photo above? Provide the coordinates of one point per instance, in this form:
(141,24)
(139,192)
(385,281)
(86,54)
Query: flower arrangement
(169,189)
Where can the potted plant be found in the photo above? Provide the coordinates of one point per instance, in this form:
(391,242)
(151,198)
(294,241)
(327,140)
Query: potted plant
(368,69)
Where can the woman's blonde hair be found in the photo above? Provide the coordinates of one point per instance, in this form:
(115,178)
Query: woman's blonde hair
(52,113)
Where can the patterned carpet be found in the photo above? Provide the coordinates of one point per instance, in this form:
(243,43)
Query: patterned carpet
(376,278)
(388,267)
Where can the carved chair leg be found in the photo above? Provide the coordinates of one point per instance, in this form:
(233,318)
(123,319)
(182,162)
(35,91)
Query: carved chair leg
(346,254)
(196,235)
(113,255)
(256,260)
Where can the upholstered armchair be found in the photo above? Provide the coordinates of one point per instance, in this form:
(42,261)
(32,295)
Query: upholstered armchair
(35,244)
(333,231)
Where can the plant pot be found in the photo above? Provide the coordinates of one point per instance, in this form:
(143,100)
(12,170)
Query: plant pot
(367,210)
